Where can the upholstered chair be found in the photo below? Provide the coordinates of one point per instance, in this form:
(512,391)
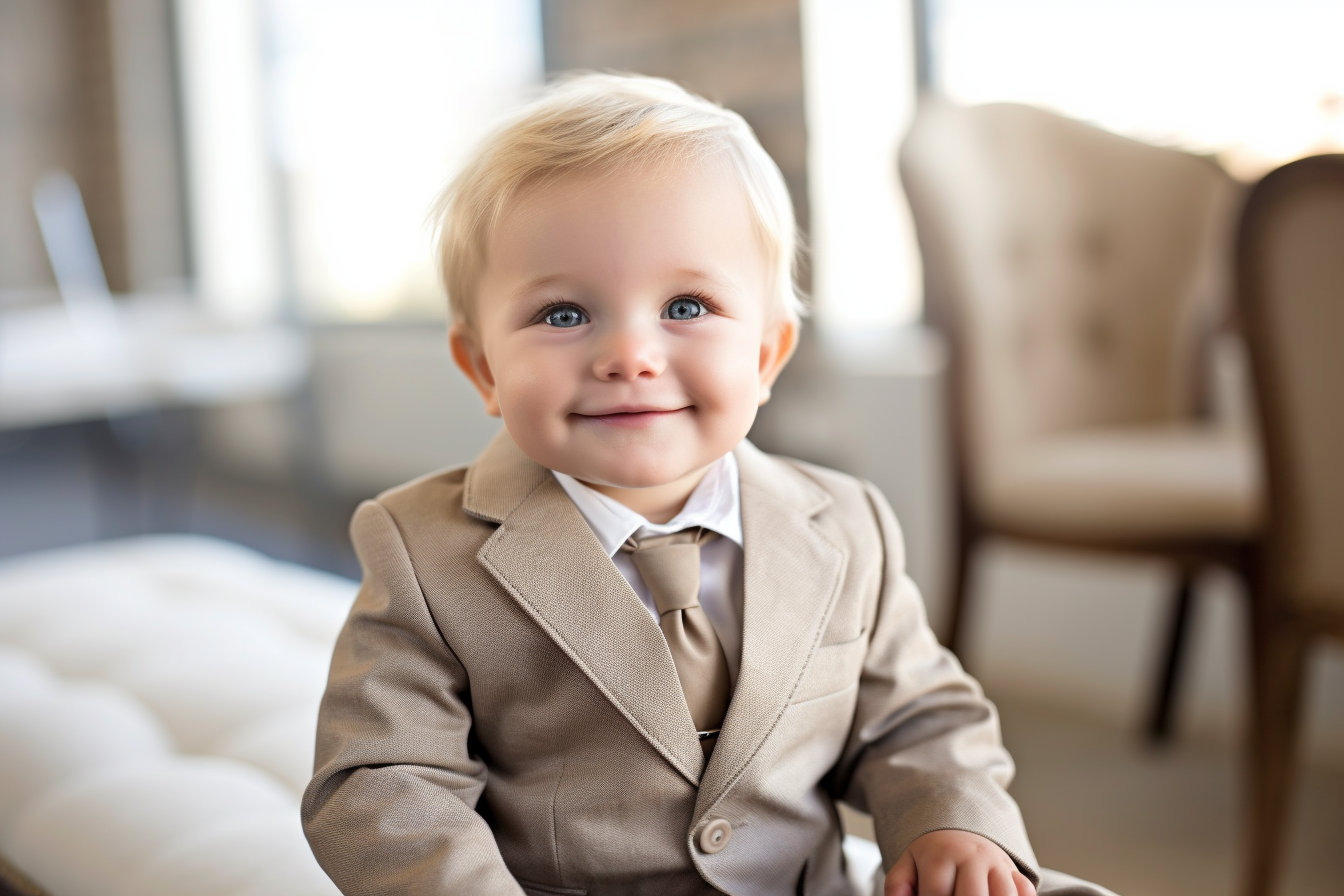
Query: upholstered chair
(1076,276)
(1290,267)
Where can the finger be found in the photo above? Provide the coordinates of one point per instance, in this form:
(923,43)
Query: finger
(973,879)
(902,877)
(937,877)
(1001,881)
(1024,885)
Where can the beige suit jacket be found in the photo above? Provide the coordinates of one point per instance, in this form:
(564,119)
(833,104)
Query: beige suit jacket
(503,715)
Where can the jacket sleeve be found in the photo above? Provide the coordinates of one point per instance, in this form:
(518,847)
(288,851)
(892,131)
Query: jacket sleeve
(924,752)
(391,807)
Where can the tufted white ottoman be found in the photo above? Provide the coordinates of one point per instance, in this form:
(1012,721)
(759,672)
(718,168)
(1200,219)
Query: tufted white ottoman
(158,703)
(158,698)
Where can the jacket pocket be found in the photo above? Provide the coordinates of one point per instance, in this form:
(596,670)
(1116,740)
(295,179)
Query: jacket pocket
(833,668)
(548,890)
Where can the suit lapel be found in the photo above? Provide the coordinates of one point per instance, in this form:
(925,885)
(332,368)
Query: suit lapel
(548,560)
(791,577)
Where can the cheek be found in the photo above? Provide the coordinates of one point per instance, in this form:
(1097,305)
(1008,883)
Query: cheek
(531,380)
(728,378)
(536,406)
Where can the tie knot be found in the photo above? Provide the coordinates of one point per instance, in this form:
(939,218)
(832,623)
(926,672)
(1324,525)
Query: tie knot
(670,566)
(696,535)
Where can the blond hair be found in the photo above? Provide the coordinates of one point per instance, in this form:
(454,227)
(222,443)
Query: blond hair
(606,122)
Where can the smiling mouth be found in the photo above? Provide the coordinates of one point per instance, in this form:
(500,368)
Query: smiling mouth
(632,417)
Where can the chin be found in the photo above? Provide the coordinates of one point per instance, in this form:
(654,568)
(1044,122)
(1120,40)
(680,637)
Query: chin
(630,471)
(642,478)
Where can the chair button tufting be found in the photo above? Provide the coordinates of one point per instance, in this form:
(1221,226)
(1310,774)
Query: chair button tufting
(715,836)
(1094,245)
(1097,335)
(1016,251)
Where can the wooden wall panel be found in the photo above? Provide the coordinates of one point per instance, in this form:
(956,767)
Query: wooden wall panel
(61,93)
(745,54)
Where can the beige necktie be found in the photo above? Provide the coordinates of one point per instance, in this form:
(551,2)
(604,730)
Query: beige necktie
(670,567)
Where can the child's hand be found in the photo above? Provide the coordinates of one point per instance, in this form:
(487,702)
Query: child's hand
(956,863)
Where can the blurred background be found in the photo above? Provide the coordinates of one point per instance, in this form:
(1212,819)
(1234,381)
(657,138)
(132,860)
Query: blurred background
(244,336)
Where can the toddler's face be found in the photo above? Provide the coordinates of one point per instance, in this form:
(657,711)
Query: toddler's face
(623,330)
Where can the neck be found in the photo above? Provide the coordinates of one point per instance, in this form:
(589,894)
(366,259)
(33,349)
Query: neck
(658,503)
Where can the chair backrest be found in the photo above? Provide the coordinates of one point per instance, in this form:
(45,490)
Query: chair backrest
(1073,271)
(1290,279)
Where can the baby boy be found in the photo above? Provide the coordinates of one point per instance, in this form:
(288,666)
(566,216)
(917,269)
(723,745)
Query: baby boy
(625,652)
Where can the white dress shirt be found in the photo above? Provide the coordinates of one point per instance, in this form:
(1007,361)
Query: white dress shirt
(715,504)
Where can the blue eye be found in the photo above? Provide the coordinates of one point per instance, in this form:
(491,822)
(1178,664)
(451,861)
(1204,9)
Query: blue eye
(685,308)
(565,316)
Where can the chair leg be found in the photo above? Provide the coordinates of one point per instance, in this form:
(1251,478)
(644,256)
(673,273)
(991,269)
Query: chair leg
(1164,699)
(958,590)
(1278,653)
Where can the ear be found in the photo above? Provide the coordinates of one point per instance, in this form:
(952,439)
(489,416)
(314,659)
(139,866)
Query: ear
(470,359)
(777,347)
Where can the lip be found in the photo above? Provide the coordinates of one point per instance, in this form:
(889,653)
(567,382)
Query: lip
(631,415)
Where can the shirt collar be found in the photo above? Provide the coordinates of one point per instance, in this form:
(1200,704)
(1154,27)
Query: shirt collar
(715,504)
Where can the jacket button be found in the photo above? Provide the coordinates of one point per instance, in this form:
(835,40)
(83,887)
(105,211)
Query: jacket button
(715,836)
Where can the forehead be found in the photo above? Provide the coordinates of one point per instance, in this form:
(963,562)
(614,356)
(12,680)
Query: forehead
(644,219)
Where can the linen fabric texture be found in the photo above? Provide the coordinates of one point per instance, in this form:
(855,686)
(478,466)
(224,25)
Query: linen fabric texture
(504,717)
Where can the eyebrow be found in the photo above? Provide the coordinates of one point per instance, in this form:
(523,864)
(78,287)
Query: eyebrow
(697,274)
(538,283)
(679,274)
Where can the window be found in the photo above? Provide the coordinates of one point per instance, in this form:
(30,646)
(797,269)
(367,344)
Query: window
(1253,83)
(1256,83)
(859,74)
(318,134)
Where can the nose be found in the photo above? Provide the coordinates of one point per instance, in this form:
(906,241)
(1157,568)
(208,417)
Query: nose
(629,352)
